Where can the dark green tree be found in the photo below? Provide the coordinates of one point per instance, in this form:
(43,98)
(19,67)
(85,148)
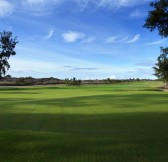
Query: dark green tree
(161,68)
(158,18)
(7,46)
(73,82)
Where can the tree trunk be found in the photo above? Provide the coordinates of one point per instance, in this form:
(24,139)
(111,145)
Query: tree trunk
(166,84)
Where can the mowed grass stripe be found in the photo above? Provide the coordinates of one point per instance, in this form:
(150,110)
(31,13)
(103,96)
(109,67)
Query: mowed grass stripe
(106,123)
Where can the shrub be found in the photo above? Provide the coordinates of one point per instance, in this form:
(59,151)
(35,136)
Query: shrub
(72,81)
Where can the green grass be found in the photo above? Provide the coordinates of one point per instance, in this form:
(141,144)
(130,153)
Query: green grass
(106,123)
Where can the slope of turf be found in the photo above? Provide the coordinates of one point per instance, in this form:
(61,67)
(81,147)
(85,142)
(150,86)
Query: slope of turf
(106,123)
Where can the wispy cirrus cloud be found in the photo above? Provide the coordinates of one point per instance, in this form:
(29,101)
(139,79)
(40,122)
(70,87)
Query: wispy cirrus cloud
(111,39)
(85,3)
(35,1)
(159,42)
(142,73)
(46,7)
(72,36)
(125,39)
(41,2)
(137,14)
(73,68)
(88,40)
(116,39)
(146,63)
(6,8)
(82,4)
(40,7)
(120,3)
(134,39)
(49,35)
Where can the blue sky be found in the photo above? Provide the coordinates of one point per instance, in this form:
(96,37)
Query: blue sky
(86,39)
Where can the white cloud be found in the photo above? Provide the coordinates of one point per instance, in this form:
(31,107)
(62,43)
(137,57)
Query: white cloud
(41,2)
(116,39)
(134,39)
(74,68)
(49,35)
(122,40)
(130,2)
(137,14)
(143,73)
(112,77)
(111,39)
(160,42)
(40,7)
(119,39)
(120,3)
(146,63)
(100,77)
(88,40)
(6,8)
(36,1)
(72,36)
(111,4)
(45,7)
(82,4)
(85,3)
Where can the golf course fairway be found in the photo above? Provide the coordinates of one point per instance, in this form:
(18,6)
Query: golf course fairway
(98,123)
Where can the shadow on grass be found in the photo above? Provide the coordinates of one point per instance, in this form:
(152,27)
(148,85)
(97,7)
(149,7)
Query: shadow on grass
(124,137)
(21,92)
(96,137)
(36,88)
(26,88)
(151,89)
